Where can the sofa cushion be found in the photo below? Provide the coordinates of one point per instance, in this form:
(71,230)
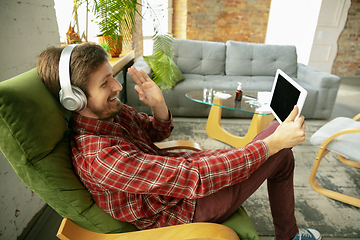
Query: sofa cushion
(199,57)
(253,59)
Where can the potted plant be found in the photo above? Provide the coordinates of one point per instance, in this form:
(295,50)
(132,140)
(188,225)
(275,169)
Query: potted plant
(116,20)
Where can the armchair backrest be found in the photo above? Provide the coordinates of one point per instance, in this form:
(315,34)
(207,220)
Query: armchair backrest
(35,140)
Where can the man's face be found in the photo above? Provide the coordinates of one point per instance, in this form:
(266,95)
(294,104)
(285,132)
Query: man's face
(102,102)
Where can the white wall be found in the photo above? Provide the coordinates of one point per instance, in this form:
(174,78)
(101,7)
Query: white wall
(332,19)
(293,22)
(27,28)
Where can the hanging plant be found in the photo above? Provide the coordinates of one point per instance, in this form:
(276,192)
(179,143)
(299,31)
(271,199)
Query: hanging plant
(165,72)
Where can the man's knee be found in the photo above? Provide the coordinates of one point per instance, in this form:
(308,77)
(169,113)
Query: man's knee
(287,160)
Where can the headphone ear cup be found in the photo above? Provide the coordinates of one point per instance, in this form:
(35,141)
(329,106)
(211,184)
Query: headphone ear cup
(71,97)
(75,102)
(81,98)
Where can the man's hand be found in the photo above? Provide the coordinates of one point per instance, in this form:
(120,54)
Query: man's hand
(289,134)
(149,93)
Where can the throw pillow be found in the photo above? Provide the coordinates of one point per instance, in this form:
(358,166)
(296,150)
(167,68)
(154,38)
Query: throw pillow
(175,76)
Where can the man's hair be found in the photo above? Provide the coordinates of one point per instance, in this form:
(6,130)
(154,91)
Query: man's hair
(85,59)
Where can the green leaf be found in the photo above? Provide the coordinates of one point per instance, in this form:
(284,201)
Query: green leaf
(163,43)
(117,17)
(165,72)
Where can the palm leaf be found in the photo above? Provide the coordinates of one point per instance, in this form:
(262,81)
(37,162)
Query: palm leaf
(117,17)
(164,43)
(163,73)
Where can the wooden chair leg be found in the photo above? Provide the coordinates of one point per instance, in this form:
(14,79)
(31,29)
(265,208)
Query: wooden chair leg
(348,162)
(326,192)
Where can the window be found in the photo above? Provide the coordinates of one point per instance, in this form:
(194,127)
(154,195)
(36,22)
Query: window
(64,9)
(163,10)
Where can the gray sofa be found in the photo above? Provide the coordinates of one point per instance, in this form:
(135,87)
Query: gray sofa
(222,65)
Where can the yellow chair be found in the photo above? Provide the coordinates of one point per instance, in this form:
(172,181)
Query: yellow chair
(69,230)
(211,231)
(35,140)
(341,136)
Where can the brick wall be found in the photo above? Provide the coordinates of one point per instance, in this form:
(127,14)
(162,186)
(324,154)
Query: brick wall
(347,61)
(221,20)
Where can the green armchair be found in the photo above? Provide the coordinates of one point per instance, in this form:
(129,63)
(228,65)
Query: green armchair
(35,140)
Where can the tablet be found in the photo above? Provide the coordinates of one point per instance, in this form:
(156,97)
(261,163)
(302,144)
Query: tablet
(285,94)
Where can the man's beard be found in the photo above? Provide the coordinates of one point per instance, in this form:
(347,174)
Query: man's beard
(107,114)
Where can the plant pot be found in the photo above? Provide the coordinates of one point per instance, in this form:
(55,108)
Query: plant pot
(115,47)
(72,37)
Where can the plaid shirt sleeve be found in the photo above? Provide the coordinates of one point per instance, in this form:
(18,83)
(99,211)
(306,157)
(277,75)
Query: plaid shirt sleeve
(156,129)
(186,175)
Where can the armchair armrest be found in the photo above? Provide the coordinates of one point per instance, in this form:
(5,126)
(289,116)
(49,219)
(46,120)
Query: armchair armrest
(317,78)
(211,231)
(327,86)
(356,117)
(179,144)
(342,132)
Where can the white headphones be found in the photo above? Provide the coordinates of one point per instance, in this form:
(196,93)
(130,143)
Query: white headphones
(71,97)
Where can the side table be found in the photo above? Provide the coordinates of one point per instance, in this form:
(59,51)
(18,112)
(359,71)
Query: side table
(260,120)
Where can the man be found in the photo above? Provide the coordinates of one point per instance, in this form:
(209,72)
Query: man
(115,157)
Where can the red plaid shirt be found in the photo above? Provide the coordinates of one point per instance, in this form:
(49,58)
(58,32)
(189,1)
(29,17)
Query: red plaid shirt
(134,181)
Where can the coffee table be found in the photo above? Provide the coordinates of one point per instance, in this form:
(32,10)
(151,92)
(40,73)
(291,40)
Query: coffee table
(260,120)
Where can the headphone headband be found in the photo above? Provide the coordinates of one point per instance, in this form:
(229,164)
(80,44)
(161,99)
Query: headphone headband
(71,97)
(64,69)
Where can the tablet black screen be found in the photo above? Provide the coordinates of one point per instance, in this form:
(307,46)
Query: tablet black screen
(284,99)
